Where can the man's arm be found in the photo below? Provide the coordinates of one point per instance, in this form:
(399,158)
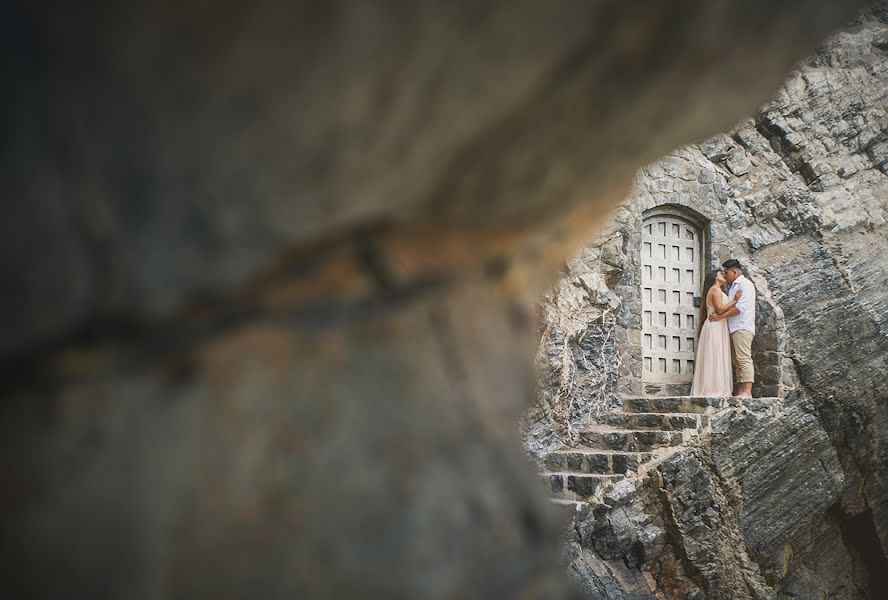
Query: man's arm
(745,304)
(747,300)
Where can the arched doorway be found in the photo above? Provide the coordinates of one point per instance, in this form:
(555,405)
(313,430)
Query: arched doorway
(671,278)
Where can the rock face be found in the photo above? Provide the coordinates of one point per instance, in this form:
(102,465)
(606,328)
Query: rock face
(750,511)
(786,498)
(171,151)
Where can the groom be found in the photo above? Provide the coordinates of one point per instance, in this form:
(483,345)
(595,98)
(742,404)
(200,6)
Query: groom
(741,325)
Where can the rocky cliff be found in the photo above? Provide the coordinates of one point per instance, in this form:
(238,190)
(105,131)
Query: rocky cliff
(785,497)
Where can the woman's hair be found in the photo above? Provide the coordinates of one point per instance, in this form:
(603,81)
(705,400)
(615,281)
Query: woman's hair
(708,282)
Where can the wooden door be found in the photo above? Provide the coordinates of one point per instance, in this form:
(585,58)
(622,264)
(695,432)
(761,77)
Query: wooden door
(671,258)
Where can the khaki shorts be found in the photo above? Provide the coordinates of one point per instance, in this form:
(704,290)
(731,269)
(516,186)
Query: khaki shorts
(741,356)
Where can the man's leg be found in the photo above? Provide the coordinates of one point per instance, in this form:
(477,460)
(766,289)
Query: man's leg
(734,364)
(742,345)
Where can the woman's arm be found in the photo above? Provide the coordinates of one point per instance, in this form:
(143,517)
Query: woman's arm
(723,307)
(720,306)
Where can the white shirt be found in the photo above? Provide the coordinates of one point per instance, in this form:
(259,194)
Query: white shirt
(746,305)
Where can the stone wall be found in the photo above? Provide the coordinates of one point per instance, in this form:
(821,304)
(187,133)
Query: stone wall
(600,295)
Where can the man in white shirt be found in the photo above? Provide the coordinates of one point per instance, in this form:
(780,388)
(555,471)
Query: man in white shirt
(741,325)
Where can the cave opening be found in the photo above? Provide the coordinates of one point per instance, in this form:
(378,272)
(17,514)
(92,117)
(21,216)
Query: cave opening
(859,534)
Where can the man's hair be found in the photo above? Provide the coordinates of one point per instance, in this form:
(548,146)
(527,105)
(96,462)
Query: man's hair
(732,263)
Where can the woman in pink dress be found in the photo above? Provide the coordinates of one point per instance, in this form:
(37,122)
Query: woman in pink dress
(712,373)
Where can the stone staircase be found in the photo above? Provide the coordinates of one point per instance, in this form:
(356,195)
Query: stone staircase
(626,444)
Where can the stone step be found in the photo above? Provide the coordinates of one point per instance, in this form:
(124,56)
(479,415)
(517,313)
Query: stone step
(659,421)
(577,486)
(603,438)
(675,404)
(595,461)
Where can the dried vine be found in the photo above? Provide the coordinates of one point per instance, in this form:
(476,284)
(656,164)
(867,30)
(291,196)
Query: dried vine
(585,372)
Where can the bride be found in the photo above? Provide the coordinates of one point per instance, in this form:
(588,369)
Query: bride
(712,376)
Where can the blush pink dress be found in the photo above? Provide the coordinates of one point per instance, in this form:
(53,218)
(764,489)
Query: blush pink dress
(712,375)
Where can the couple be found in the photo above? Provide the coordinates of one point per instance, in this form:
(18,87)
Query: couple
(726,334)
